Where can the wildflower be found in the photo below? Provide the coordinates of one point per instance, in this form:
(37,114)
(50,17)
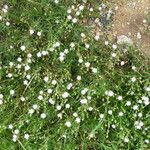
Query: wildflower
(119,98)
(74,20)
(126,139)
(128,103)
(87,64)
(46,79)
(51,101)
(39,33)
(68,124)
(114,46)
(67,105)
(78,78)
(133,79)
(23,48)
(69,86)
(65,94)
(10,126)
(58,107)
(43,115)
(49,91)
(31,31)
(83,101)
(12,92)
(101,116)
(75,114)
(7,23)
(26,136)
(78,120)
(110,112)
(54,82)
(35,106)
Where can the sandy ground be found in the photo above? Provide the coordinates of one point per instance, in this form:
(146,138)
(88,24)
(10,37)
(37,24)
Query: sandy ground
(129,20)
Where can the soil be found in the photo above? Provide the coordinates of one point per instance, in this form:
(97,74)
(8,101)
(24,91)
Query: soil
(129,20)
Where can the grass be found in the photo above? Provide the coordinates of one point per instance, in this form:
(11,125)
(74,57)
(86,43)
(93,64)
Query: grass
(80,75)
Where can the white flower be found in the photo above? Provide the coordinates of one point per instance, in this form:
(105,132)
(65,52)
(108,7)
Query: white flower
(10,126)
(68,124)
(113,126)
(22,98)
(19,59)
(81,7)
(133,79)
(0,17)
(27,67)
(16,131)
(7,23)
(83,101)
(46,79)
(67,105)
(31,31)
(106,42)
(126,139)
(26,136)
(87,46)
(133,68)
(69,17)
(90,108)
(69,86)
(94,70)
(56,1)
(40,97)
(31,111)
(23,48)
(147,89)
(1,101)
(119,98)
(114,46)
(110,112)
(59,115)
(43,116)
(146,141)
(51,101)
(25,82)
(122,63)
(110,93)
(87,64)
(49,91)
(78,120)
(65,94)
(15,137)
(128,103)
(66,51)
(39,33)
(120,114)
(82,35)
(96,37)
(113,54)
(75,114)
(72,45)
(74,20)
(12,92)
(54,82)
(78,78)
(58,107)
(35,106)
(135,107)
(39,54)
(101,116)
(91,9)
(1,96)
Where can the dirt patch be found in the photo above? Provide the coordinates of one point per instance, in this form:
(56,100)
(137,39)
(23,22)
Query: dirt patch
(130,20)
